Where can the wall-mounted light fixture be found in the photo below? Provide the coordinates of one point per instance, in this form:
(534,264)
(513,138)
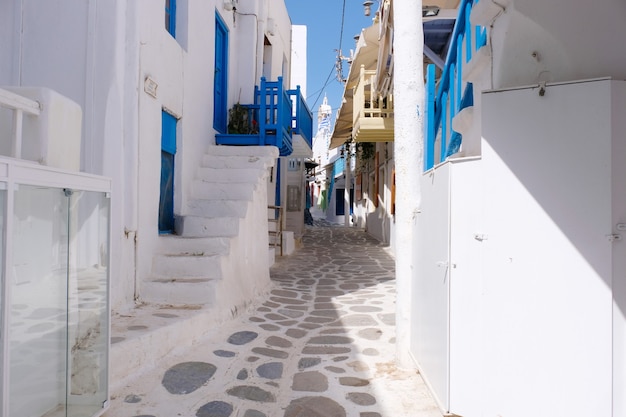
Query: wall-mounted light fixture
(430,11)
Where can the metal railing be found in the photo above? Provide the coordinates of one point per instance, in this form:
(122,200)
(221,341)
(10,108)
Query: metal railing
(19,105)
(302,118)
(446,100)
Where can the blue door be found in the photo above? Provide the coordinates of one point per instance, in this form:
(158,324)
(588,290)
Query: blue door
(220,80)
(168,152)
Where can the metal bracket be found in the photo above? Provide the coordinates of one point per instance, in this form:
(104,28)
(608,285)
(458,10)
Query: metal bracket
(613,237)
(480,237)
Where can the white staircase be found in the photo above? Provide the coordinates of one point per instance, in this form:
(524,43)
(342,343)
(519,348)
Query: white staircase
(191,266)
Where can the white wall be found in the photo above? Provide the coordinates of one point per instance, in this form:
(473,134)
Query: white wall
(560,41)
(299,57)
(547,261)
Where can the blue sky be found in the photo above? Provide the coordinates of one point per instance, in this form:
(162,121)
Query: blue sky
(323,19)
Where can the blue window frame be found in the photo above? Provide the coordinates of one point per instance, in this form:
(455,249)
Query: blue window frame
(170,17)
(220,78)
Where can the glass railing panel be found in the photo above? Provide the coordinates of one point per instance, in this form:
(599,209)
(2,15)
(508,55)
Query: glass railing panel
(37,334)
(88,282)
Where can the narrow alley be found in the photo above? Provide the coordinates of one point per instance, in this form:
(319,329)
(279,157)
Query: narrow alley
(322,345)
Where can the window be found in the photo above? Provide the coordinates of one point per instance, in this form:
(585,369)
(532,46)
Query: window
(170,17)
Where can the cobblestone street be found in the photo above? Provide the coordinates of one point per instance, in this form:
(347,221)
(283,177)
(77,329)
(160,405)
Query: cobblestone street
(321,345)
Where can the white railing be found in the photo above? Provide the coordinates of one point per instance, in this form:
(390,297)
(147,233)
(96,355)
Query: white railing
(19,105)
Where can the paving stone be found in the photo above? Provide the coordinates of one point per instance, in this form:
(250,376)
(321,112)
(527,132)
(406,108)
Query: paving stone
(361,398)
(314,407)
(132,399)
(224,353)
(242,338)
(288,301)
(351,381)
(270,327)
(370,333)
(324,350)
(254,413)
(294,314)
(284,293)
(271,370)
(271,304)
(243,374)
(368,414)
(354,320)
(137,327)
(166,315)
(365,309)
(272,353)
(275,317)
(287,323)
(252,358)
(334,331)
(249,392)
(330,340)
(264,309)
(256,319)
(309,326)
(312,381)
(187,377)
(304,363)
(358,366)
(215,409)
(371,352)
(340,358)
(278,342)
(296,333)
(319,319)
(335,369)
(389,319)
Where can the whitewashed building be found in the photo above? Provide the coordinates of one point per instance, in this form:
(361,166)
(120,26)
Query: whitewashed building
(517,272)
(156,82)
(510,214)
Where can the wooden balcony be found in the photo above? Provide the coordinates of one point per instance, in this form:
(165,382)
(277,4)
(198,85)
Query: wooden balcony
(372,115)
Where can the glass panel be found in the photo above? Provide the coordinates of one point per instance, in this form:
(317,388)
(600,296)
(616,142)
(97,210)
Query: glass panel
(88,325)
(37,316)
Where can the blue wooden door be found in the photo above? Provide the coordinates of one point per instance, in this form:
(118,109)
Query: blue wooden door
(168,152)
(220,80)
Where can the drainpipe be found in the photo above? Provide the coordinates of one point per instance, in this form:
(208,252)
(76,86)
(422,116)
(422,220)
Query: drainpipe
(408,150)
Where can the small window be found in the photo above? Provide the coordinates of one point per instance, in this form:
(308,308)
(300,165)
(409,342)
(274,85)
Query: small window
(170,17)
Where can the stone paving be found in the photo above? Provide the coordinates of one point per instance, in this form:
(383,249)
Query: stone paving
(321,345)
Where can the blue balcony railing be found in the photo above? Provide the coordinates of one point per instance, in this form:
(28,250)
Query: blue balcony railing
(302,118)
(451,95)
(269,120)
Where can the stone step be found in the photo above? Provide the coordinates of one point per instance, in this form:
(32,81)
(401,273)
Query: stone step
(222,191)
(180,291)
(253,151)
(230,175)
(217,208)
(233,162)
(195,266)
(196,226)
(174,244)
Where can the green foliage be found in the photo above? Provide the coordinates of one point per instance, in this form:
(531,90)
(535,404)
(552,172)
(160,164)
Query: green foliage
(238,120)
